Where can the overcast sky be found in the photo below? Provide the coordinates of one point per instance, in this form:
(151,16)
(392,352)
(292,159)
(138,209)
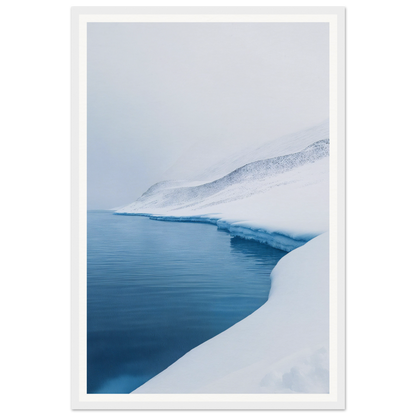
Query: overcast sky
(155,89)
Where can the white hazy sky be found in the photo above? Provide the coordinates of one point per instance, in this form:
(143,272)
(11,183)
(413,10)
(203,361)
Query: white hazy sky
(156,89)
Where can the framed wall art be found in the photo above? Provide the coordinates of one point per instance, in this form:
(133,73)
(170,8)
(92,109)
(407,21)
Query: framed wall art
(208,208)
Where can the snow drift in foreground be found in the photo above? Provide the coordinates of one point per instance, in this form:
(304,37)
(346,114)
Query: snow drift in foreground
(282,200)
(280,348)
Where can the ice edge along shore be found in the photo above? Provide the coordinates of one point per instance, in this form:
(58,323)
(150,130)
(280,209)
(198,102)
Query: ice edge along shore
(236,229)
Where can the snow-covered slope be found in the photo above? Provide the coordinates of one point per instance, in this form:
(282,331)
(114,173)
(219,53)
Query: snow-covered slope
(204,162)
(175,195)
(287,195)
(281,200)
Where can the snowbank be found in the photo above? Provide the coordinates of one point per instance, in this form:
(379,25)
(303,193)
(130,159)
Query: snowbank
(280,348)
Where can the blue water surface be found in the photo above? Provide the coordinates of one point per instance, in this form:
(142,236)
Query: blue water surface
(157,289)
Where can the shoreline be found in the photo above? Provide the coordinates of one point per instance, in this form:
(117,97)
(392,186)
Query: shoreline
(239,228)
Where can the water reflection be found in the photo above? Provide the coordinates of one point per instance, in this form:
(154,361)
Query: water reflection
(262,253)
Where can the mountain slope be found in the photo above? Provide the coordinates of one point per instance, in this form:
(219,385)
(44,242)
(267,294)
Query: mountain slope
(204,163)
(174,195)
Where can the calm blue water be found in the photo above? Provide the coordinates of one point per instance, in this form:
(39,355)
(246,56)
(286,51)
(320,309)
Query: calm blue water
(157,289)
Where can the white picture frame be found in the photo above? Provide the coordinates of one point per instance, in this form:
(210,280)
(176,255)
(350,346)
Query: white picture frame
(335,399)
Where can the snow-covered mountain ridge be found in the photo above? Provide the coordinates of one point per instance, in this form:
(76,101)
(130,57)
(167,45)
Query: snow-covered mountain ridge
(167,194)
(203,163)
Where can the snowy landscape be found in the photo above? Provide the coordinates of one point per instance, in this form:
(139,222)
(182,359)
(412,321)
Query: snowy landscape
(277,194)
(220,124)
